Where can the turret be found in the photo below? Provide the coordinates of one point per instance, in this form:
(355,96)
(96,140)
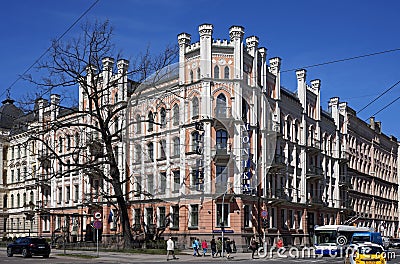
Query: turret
(236,34)
(183,41)
(205,32)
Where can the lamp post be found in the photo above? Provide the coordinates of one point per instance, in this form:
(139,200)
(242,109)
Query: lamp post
(223,222)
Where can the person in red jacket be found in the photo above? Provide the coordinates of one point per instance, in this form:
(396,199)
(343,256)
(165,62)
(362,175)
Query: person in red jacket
(204,246)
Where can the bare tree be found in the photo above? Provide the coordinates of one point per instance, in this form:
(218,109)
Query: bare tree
(95,124)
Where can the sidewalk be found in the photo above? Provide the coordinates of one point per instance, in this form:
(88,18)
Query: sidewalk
(119,257)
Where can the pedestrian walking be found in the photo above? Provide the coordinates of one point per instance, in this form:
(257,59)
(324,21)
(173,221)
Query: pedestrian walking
(228,248)
(170,248)
(195,247)
(213,245)
(253,246)
(219,247)
(204,246)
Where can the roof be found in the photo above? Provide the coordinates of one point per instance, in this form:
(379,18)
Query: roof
(9,113)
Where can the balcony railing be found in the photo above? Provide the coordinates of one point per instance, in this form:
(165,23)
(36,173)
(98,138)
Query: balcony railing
(314,172)
(315,200)
(221,152)
(313,145)
(223,112)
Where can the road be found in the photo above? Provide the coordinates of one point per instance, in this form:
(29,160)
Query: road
(56,257)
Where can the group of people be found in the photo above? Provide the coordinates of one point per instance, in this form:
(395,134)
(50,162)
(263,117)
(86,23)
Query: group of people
(216,247)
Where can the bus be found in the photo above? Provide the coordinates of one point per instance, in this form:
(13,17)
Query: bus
(332,240)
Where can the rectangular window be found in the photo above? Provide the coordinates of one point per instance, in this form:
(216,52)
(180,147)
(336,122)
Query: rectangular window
(67,193)
(138,186)
(12,176)
(272,217)
(283,219)
(149,216)
(291,219)
(221,178)
(194,215)
(59,194)
(222,219)
(136,221)
(299,219)
(68,142)
(76,187)
(161,217)
(175,216)
(163,182)
(177,181)
(150,183)
(18,175)
(247,216)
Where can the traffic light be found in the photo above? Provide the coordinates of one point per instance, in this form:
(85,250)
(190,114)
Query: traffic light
(222,226)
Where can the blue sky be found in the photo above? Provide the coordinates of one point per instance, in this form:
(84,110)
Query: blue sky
(300,32)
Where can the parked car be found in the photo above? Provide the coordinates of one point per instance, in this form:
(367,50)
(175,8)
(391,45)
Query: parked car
(28,246)
(394,243)
(365,253)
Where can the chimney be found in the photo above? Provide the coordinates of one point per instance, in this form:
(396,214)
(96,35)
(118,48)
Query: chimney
(54,106)
(372,122)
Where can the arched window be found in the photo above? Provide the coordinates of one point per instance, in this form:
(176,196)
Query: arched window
(77,137)
(191,76)
(175,111)
(31,198)
(138,154)
(195,107)
(12,200)
(5,201)
(222,140)
(18,200)
(198,73)
(163,145)
(216,72)
(226,72)
(151,121)
(24,199)
(195,141)
(138,125)
(245,110)
(177,151)
(163,117)
(221,105)
(150,151)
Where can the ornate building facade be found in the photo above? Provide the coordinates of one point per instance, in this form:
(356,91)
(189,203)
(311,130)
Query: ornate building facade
(212,143)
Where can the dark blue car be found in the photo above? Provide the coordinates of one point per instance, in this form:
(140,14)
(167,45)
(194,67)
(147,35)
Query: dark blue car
(28,246)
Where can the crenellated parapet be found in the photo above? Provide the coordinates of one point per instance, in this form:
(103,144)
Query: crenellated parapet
(315,86)
(184,39)
(236,32)
(205,30)
(275,65)
(252,42)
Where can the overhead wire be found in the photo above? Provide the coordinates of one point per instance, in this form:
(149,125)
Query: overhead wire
(48,49)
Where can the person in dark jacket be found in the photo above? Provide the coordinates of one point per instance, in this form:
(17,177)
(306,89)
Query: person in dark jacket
(213,245)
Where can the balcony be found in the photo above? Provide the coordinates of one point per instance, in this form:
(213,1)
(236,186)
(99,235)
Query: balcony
(313,145)
(344,157)
(277,195)
(344,184)
(314,173)
(221,153)
(315,201)
(277,161)
(222,112)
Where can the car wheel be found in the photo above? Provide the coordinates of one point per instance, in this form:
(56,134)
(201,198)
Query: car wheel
(25,253)
(46,256)
(9,252)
